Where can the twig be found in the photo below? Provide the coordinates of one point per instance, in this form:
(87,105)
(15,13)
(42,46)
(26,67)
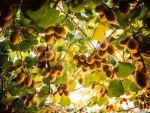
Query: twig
(56,109)
(147,38)
(77,74)
(108,38)
(138,3)
(2,84)
(104,4)
(128,109)
(139,30)
(56,4)
(3,76)
(53,45)
(142,59)
(49,67)
(114,5)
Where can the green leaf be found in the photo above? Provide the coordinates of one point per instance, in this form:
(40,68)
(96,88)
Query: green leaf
(10,68)
(75,7)
(87,83)
(18,103)
(70,25)
(126,83)
(41,111)
(72,85)
(18,63)
(7,63)
(115,88)
(133,87)
(123,35)
(8,99)
(61,80)
(56,98)
(45,16)
(38,79)
(81,16)
(45,89)
(94,76)
(101,101)
(124,69)
(32,108)
(112,60)
(65,101)
(144,13)
(28,90)
(102,76)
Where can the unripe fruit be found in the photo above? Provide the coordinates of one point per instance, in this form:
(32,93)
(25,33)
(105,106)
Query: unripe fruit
(41,57)
(7,13)
(67,93)
(90,59)
(98,65)
(110,16)
(124,7)
(53,71)
(84,70)
(49,30)
(85,65)
(58,38)
(23,84)
(41,48)
(81,80)
(60,67)
(101,53)
(60,89)
(21,77)
(102,90)
(52,78)
(33,85)
(100,9)
(45,72)
(14,37)
(93,66)
(82,58)
(59,73)
(55,57)
(49,55)
(24,98)
(28,81)
(79,64)
(60,31)
(132,45)
(108,73)
(103,45)
(4,23)
(75,57)
(49,38)
(111,50)
(28,103)
(93,86)
(105,67)
(123,43)
(97,58)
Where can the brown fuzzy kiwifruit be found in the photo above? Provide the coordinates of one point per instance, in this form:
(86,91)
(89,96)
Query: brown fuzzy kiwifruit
(142,98)
(66,87)
(7,13)
(104,95)
(142,79)
(98,65)
(79,64)
(60,31)
(131,1)
(21,77)
(58,38)
(113,76)
(24,98)
(124,7)
(41,57)
(48,111)
(60,67)
(67,93)
(75,57)
(28,103)
(104,61)
(42,64)
(97,58)
(121,101)
(93,66)
(60,73)
(53,71)
(4,23)
(132,45)
(81,80)
(136,56)
(5,107)
(109,73)
(52,78)
(33,85)
(30,98)
(110,16)
(45,72)
(123,43)
(103,45)
(49,55)
(23,84)
(90,59)
(105,67)
(82,58)
(49,30)
(85,65)
(93,86)
(28,81)
(55,56)
(111,50)
(101,53)
(49,38)
(61,94)
(138,38)
(60,89)
(102,17)
(14,37)
(41,48)
(84,70)
(100,9)
(102,90)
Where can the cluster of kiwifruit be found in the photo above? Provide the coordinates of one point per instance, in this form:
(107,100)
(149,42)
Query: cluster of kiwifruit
(123,100)
(84,109)
(146,105)
(63,89)
(103,92)
(28,101)
(105,14)
(7,109)
(110,108)
(26,81)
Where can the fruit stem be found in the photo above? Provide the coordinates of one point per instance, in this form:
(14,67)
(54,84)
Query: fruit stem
(77,74)
(139,30)
(56,109)
(127,109)
(53,45)
(108,38)
(114,5)
(56,4)
(138,3)
(142,59)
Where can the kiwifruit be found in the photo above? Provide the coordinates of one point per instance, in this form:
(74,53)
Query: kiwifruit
(60,89)
(23,84)
(104,95)
(100,9)
(49,38)
(124,7)
(30,98)
(5,107)
(58,38)
(55,56)
(113,76)
(21,77)
(105,67)
(53,71)
(85,65)
(61,94)
(60,67)
(98,65)
(41,48)
(49,55)
(102,90)
(102,17)
(48,111)
(124,99)
(12,109)
(52,78)
(104,61)
(59,73)
(121,101)
(81,80)
(103,45)
(93,86)
(7,13)
(75,57)
(142,98)
(142,79)
(84,70)
(28,103)
(90,59)
(33,85)
(132,45)
(136,55)
(42,64)
(82,58)
(65,87)
(79,64)
(93,66)
(4,23)
(97,58)
(110,16)
(28,81)
(41,57)
(131,1)
(60,31)
(45,72)
(67,93)
(101,53)
(123,43)
(24,98)
(108,73)
(111,50)
(49,30)
(14,37)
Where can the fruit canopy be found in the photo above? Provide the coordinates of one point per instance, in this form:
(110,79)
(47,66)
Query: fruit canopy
(54,50)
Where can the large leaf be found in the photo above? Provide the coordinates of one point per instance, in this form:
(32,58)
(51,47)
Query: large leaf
(133,87)
(61,80)
(101,101)
(94,76)
(126,83)
(65,101)
(8,99)
(72,86)
(18,103)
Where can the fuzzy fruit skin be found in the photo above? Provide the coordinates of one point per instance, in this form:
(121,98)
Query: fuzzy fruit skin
(41,57)
(45,72)
(49,38)
(82,58)
(124,8)
(60,67)
(123,43)
(103,45)
(21,77)
(85,65)
(55,57)
(24,98)
(41,48)
(101,53)
(33,85)
(132,45)
(28,81)
(4,23)
(108,73)
(7,13)
(97,58)
(100,9)
(90,59)
(81,80)
(53,71)
(84,70)
(23,84)
(28,103)
(93,66)
(58,38)
(60,89)
(14,37)
(79,64)
(67,93)
(60,31)
(102,90)
(49,55)
(75,57)
(66,87)
(110,16)
(111,50)
(49,30)
(52,78)
(105,67)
